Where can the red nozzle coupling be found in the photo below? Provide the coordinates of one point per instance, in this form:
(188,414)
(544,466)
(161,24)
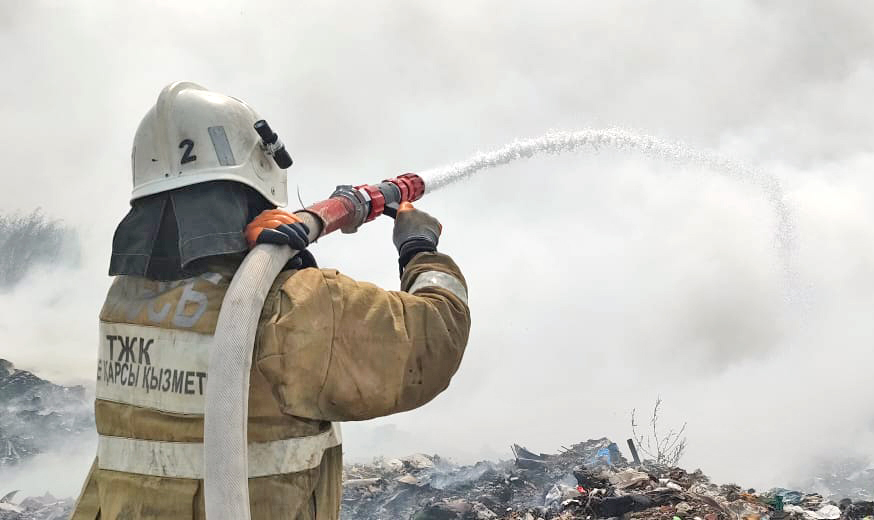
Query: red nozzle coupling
(377,200)
(411,185)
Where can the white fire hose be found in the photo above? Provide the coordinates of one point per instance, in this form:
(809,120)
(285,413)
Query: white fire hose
(226,464)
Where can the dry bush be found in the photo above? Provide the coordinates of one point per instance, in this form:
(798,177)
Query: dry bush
(30,240)
(662,448)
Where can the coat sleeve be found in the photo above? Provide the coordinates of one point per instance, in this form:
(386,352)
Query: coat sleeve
(340,350)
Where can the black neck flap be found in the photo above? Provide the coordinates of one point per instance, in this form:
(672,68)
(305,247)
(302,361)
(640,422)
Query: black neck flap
(168,236)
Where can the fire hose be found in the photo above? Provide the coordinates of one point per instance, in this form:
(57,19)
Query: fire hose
(226,483)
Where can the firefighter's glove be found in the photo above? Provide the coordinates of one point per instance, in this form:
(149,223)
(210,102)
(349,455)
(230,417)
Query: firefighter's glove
(275,226)
(415,232)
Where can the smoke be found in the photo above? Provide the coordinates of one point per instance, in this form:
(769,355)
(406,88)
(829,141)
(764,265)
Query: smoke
(60,472)
(596,282)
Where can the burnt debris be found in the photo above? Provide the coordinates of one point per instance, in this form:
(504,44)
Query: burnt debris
(590,480)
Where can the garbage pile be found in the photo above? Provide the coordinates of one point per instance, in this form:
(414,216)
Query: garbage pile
(590,480)
(45,507)
(843,477)
(37,415)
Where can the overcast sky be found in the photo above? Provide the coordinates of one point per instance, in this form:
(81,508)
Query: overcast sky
(597,281)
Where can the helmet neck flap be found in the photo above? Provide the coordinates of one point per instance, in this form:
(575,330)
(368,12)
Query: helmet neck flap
(167,235)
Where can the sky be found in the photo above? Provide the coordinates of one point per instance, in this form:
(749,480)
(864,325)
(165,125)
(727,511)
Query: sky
(598,281)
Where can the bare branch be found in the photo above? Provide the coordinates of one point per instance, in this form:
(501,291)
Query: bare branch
(664,448)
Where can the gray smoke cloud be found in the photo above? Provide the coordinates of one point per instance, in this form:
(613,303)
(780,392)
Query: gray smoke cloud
(597,281)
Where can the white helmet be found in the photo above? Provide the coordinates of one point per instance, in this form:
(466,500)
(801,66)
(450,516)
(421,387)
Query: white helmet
(193,135)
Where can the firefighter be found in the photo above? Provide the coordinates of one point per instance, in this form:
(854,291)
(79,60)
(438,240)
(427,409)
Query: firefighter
(328,348)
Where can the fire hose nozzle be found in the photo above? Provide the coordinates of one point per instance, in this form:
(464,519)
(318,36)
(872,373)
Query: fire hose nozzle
(408,187)
(351,206)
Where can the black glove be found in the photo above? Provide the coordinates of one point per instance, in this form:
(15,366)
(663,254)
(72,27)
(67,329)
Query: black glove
(275,226)
(415,232)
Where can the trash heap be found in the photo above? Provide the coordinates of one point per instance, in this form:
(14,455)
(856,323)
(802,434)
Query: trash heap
(36,415)
(839,477)
(590,480)
(45,507)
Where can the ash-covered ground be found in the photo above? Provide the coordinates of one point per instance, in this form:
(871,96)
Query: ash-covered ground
(37,417)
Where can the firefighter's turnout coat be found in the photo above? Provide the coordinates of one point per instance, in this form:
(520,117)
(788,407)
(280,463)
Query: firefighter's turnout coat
(328,349)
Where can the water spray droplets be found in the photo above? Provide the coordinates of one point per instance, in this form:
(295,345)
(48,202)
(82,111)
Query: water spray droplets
(555,143)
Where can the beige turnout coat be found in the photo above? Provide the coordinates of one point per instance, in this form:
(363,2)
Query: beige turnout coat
(328,349)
